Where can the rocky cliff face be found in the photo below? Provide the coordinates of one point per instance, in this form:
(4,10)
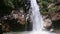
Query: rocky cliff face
(13,21)
(52,20)
(55,15)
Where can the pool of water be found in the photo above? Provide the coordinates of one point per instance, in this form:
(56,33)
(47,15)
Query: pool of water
(32,32)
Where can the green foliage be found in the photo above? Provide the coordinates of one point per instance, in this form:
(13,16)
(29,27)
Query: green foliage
(42,3)
(56,8)
(9,3)
(44,6)
(12,3)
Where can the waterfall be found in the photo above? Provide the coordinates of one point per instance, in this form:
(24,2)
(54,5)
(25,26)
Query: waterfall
(37,19)
(36,16)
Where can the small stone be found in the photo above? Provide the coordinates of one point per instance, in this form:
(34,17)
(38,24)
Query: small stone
(52,30)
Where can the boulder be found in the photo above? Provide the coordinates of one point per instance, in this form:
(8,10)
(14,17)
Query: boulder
(47,24)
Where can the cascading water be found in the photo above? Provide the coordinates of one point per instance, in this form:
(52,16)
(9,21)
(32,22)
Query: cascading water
(36,16)
(37,19)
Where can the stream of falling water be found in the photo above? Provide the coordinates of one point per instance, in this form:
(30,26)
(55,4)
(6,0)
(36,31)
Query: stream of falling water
(37,19)
(36,16)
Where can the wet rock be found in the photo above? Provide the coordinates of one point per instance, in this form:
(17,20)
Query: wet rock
(13,21)
(19,16)
(52,20)
(21,19)
(47,23)
(5,28)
